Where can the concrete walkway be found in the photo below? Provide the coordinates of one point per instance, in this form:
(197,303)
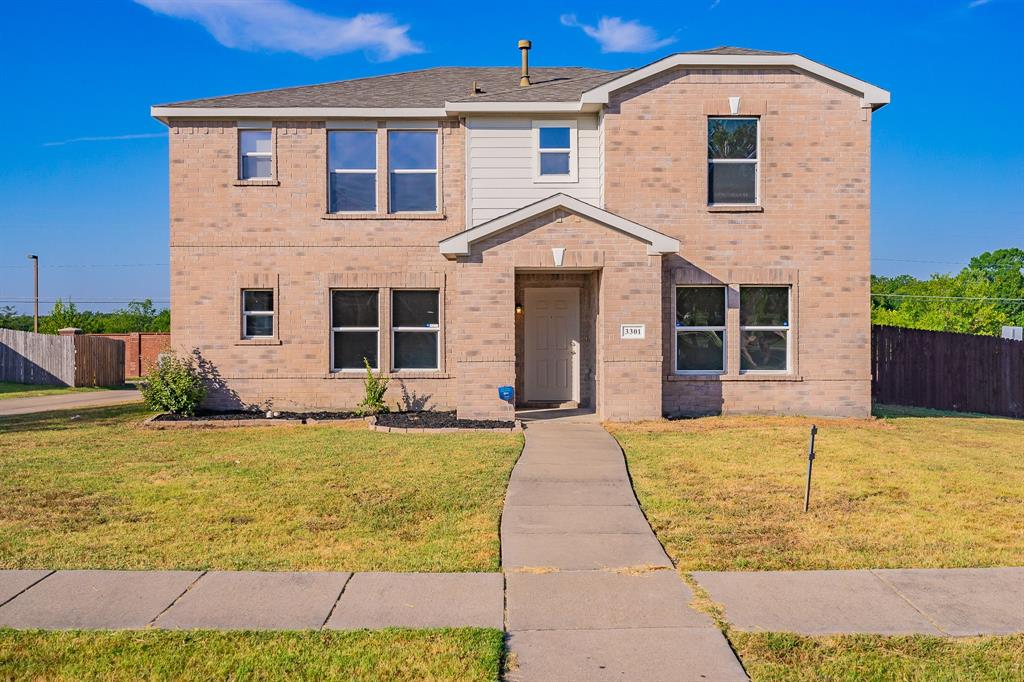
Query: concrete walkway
(243,600)
(67,401)
(956,602)
(590,593)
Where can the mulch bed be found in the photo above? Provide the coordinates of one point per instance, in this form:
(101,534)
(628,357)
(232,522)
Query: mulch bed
(235,415)
(437,420)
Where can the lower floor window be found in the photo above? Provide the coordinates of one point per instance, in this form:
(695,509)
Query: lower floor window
(700,329)
(257,313)
(355,329)
(415,323)
(764,329)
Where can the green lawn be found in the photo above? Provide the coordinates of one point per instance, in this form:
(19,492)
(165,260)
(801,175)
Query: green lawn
(9,390)
(775,657)
(99,492)
(458,654)
(910,489)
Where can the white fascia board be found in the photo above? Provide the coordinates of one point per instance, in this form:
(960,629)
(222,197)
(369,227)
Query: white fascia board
(872,95)
(517,107)
(316,113)
(657,243)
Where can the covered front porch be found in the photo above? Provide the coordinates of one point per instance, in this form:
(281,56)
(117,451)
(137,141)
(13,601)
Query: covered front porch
(562,301)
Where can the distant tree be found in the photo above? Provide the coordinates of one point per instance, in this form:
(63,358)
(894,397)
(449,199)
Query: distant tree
(977,300)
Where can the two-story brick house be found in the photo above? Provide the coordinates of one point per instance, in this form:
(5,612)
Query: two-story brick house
(688,237)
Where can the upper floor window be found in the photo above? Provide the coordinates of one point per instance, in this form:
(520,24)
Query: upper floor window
(415,325)
(732,160)
(355,329)
(700,329)
(352,162)
(257,313)
(255,155)
(764,329)
(555,151)
(412,168)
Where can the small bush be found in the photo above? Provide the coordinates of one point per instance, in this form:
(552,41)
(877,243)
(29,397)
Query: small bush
(375,387)
(174,385)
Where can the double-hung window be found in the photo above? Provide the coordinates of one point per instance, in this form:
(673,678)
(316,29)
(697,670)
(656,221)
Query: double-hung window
(355,329)
(732,161)
(352,162)
(415,328)
(257,313)
(412,171)
(255,155)
(764,329)
(700,329)
(555,151)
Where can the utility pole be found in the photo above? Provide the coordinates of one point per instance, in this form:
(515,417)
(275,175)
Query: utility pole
(35,306)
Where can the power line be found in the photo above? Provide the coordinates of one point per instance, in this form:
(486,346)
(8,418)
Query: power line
(86,300)
(92,265)
(907,260)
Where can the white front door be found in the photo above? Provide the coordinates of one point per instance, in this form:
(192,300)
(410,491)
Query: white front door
(552,342)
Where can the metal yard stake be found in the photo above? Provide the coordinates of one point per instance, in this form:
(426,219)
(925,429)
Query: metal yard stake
(810,465)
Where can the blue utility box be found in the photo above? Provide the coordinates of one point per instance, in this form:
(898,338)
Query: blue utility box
(506,393)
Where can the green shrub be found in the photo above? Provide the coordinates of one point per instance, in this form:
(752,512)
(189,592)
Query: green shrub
(375,387)
(174,385)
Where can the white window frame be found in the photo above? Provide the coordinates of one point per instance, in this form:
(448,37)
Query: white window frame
(432,329)
(771,328)
(698,328)
(573,149)
(365,171)
(404,171)
(272,313)
(376,366)
(263,155)
(756,162)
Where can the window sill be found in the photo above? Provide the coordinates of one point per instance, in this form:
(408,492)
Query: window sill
(735,208)
(734,377)
(399,374)
(383,216)
(257,183)
(258,342)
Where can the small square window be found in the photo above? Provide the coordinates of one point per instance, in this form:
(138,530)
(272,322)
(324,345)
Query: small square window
(255,155)
(257,313)
(555,151)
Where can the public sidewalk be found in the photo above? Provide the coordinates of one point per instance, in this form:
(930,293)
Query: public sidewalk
(67,401)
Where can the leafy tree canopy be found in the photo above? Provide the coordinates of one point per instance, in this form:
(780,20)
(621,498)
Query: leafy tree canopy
(138,316)
(976,308)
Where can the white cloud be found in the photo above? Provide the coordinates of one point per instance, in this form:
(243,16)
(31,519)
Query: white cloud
(105,138)
(616,35)
(977,3)
(281,26)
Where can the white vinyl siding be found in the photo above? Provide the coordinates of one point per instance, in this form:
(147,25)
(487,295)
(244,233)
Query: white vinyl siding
(500,155)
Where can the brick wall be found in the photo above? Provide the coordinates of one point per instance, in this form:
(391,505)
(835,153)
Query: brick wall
(811,230)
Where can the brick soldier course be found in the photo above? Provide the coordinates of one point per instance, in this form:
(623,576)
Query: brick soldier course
(808,231)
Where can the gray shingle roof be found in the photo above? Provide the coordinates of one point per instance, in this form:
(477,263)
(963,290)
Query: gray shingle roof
(426,88)
(431,88)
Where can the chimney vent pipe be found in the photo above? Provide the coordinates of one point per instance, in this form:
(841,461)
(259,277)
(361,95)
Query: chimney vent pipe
(524,78)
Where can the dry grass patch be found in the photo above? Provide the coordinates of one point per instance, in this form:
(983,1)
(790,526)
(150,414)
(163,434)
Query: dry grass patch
(778,657)
(433,655)
(12,390)
(909,489)
(99,492)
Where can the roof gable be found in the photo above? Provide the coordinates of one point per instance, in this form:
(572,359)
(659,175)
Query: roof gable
(459,244)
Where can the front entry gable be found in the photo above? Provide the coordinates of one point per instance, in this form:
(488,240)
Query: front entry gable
(459,244)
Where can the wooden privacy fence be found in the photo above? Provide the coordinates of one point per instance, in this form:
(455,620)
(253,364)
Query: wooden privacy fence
(70,359)
(141,350)
(946,371)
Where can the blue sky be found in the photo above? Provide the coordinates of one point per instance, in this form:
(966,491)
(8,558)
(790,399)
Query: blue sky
(84,175)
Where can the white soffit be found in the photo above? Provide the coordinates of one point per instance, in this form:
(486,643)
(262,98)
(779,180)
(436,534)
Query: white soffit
(657,243)
(872,95)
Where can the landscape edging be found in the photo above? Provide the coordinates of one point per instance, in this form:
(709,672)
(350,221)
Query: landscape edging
(374,426)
